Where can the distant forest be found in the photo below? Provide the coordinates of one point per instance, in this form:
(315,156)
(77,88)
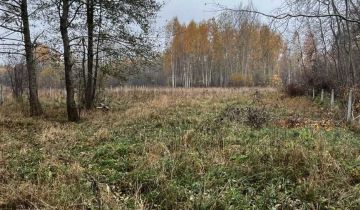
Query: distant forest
(233,50)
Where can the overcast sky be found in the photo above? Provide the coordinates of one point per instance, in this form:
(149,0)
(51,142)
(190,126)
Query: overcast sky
(187,10)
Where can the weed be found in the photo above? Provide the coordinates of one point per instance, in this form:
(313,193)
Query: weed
(180,149)
(256,117)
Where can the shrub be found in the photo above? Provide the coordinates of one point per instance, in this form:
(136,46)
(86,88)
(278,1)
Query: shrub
(239,80)
(294,90)
(256,117)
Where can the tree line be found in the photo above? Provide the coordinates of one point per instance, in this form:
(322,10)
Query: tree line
(323,43)
(235,49)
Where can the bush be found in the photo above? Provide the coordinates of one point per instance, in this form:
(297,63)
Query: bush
(256,117)
(294,90)
(238,80)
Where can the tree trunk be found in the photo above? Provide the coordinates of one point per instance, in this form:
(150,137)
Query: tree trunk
(72,112)
(97,60)
(349,108)
(172,71)
(83,63)
(89,100)
(35,106)
(82,82)
(1,95)
(17,78)
(97,55)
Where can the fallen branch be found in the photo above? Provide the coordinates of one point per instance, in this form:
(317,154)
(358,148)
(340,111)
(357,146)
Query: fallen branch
(103,107)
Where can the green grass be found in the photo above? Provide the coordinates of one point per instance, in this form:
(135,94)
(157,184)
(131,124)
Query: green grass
(180,150)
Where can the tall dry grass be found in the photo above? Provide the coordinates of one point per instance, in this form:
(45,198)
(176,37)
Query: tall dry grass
(178,149)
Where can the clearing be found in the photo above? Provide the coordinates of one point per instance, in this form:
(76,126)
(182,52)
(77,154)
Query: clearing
(181,149)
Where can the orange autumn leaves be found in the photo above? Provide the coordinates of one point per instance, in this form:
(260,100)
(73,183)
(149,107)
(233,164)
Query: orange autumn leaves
(217,52)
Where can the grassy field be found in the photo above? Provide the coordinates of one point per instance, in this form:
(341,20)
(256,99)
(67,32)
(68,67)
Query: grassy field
(181,149)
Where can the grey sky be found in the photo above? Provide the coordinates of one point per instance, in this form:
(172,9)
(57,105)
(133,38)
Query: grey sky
(187,10)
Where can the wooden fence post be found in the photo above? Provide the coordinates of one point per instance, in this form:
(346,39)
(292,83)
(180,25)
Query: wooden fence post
(332,101)
(349,108)
(322,95)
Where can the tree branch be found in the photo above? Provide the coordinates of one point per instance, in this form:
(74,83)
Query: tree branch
(10,29)
(287,15)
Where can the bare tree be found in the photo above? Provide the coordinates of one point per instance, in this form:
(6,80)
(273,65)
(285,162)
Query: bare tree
(14,19)
(16,70)
(335,25)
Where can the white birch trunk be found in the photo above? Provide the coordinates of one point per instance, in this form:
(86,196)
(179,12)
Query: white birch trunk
(173,79)
(313,93)
(332,101)
(349,108)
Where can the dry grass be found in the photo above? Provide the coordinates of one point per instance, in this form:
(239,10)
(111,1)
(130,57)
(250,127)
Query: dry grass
(2,70)
(178,149)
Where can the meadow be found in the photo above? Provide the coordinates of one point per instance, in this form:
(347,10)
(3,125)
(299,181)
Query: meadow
(180,149)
